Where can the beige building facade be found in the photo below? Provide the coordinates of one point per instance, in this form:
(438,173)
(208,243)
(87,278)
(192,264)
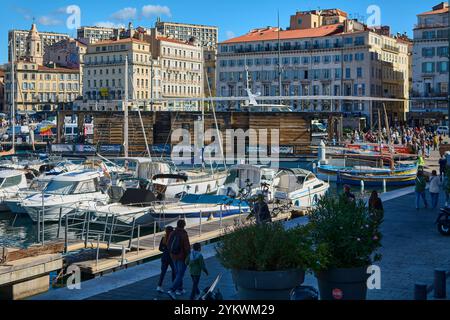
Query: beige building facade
(341,59)
(105,75)
(39,86)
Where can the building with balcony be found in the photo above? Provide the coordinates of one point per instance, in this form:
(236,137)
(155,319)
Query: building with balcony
(40,86)
(105,75)
(94,34)
(201,35)
(182,68)
(332,59)
(431,63)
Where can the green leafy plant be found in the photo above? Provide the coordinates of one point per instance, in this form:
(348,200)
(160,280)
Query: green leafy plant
(266,247)
(345,234)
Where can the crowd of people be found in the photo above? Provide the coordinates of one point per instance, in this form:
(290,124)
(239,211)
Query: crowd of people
(420,139)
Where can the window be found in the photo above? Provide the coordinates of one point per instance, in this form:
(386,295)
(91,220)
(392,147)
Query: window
(10,181)
(60,187)
(428,67)
(359,72)
(348,73)
(428,52)
(443,66)
(442,51)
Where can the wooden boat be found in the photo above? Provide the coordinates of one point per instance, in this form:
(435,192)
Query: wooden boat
(378,180)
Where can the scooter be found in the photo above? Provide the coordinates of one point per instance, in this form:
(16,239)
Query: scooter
(443,221)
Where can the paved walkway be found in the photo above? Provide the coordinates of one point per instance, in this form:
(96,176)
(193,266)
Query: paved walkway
(412,249)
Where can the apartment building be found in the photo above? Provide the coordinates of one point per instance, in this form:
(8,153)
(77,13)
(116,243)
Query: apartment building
(89,34)
(39,86)
(201,35)
(104,74)
(207,36)
(182,66)
(431,63)
(18,39)
(333,59)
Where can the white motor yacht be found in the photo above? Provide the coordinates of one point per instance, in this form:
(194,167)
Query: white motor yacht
(64,194)
(11,181)
(301,187)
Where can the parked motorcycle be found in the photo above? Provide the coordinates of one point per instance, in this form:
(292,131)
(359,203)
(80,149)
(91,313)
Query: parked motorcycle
(443,221)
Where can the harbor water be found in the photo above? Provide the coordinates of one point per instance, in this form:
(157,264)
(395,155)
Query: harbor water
(18,231)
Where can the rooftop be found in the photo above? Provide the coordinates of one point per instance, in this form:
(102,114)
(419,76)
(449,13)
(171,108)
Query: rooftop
(439,9)
(174,41)
(57,69)
(271,33)
(126,40)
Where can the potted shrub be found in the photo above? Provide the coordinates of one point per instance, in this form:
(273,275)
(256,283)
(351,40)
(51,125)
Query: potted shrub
(266,260)
(346,238)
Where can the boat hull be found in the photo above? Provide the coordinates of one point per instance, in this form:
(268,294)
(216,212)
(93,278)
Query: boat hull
(378,181)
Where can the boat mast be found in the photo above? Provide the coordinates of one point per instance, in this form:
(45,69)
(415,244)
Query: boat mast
(13,96)
(125,108)
(279,58)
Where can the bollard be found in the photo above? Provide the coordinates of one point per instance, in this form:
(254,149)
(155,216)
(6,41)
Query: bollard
(440,281)
(420,291)
(362,186)
(123,255)
(384,186)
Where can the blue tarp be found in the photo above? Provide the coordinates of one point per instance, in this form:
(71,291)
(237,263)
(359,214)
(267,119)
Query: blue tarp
(212,199)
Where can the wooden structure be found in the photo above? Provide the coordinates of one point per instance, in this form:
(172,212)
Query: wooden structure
(294,128)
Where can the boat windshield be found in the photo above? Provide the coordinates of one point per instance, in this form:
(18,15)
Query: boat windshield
(60,187)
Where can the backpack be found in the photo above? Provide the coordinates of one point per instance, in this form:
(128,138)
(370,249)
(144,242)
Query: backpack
(175,246)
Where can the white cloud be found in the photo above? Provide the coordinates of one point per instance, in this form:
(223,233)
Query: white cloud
(230,34)
(155,10)
(109,24)
(125,14)
(48,21)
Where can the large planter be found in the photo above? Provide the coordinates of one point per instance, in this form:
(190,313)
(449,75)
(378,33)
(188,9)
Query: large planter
(343,284)
(270,285)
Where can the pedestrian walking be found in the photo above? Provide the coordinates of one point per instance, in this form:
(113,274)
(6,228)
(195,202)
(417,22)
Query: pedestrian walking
(435,189)
(446,187)
(421,185)
(179,248)
(442,166)
(348,194)
(166,260)
(196,264)
(376,207)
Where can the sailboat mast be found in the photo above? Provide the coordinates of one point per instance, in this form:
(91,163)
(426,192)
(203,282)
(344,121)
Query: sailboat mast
(279,57)
(13,96)
(125,108)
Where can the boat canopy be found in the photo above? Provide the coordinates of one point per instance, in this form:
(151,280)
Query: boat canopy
(141,197)
(170,176)
(211,199)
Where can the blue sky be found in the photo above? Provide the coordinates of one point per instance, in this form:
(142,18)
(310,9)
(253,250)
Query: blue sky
(233,17)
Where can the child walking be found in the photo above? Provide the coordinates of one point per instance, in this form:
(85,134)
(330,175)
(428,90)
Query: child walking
(196,265)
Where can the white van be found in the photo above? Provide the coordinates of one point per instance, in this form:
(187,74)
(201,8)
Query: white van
(442,130)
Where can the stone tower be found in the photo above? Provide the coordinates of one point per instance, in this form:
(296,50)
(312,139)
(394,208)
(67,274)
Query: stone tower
(34,46)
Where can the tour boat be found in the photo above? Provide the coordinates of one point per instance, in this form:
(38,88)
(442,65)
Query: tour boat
(64,194)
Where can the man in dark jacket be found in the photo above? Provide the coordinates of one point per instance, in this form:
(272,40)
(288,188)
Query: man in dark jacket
(179,248)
